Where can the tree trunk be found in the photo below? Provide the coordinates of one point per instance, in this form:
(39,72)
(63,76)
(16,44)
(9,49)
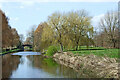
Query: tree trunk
(77,45)
(61,46)
(114,45)
(76,48)
(87,46)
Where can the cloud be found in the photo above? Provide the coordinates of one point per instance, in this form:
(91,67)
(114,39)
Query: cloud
(31,1)
(14,19)
(21,6)
(96,20)
(7,13)
(28,3)
(0,5)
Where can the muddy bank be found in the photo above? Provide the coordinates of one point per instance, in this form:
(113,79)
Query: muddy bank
(93,66)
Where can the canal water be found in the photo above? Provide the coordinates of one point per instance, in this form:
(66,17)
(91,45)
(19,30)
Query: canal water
(33,65)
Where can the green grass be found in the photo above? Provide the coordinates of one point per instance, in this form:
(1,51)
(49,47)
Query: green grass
(84,48)
(90,47)
(99,51)
(112,53)
(9,51)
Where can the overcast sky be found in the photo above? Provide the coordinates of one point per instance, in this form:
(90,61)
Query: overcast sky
(23,13)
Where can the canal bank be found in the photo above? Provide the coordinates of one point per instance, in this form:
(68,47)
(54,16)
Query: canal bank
(90,65)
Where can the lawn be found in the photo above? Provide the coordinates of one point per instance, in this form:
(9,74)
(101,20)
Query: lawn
(90,47)
(99,51)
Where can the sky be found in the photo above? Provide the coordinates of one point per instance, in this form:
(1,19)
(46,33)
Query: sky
(24,14)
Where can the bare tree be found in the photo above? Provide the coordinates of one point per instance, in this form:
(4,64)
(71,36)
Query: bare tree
(30,36)
(21,38)
(109,25)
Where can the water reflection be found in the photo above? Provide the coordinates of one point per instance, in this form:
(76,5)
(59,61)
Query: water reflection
(35,66)
(50,66)
(9,64)
(26,69)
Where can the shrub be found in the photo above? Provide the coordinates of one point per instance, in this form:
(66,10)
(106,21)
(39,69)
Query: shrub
(51,50)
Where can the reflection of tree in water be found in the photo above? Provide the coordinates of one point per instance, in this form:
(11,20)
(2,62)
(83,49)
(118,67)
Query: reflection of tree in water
(50,66)
(9,63)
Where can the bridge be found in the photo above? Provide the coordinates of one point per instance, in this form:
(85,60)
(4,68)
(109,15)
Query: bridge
(21,47)
(25,47)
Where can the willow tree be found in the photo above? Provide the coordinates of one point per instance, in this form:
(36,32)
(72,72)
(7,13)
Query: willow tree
(68,29)
(55,22)
(79,25)
(47,37)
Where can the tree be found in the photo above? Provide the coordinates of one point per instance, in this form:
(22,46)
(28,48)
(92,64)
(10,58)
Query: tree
(78,28)
(109,25)
(21,39)
(38,43)
(28,41)
(30,36)
(68,29)
(47,37)
(15,38)
(10,37)
(55,23)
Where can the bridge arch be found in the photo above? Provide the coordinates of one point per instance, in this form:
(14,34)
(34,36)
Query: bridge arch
(27,46)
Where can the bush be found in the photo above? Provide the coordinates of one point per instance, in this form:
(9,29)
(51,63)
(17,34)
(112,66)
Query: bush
(51,50)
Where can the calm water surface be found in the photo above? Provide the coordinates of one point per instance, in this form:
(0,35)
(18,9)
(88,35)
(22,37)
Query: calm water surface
(33,65)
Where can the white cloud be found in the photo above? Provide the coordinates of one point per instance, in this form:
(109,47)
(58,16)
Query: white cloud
(21,6)
(6,12)
(28,3)
(0,5)
(96,20)
(59,1)
(25,3)
(14,19)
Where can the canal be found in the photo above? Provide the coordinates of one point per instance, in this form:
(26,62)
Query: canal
(34,65)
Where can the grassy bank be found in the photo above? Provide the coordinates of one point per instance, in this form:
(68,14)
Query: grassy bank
(10,51)
(83,50)
(99,51)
